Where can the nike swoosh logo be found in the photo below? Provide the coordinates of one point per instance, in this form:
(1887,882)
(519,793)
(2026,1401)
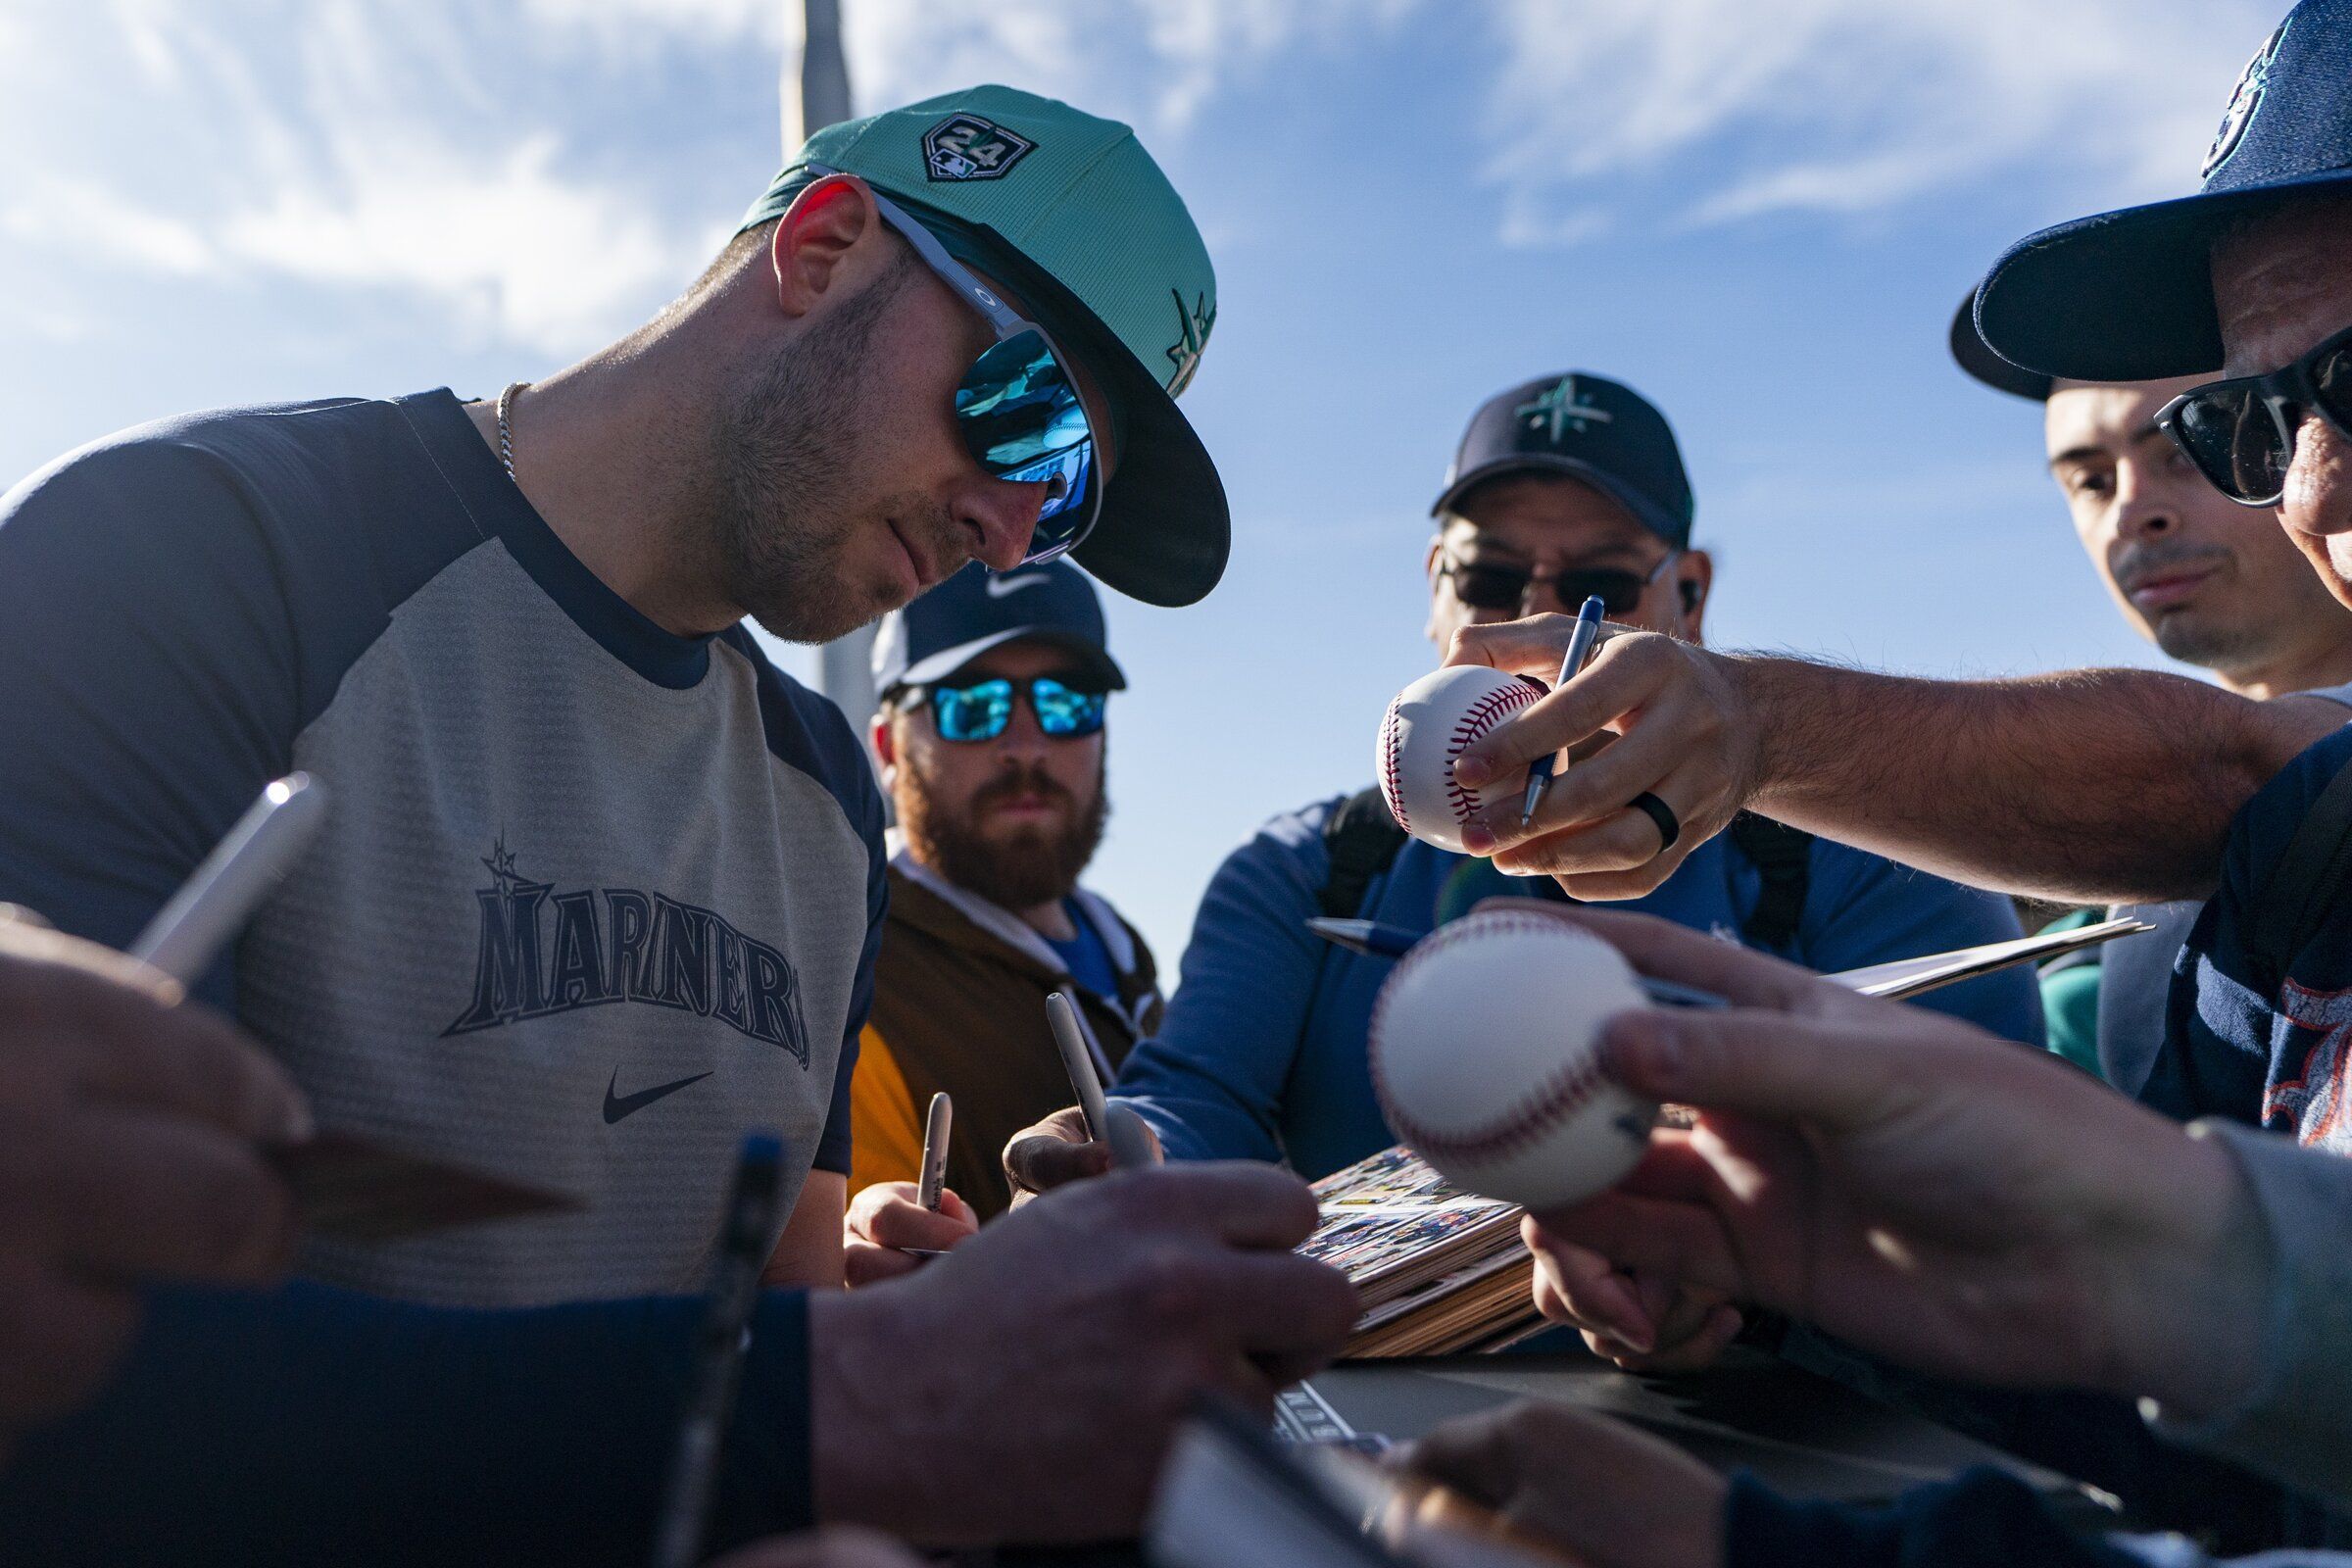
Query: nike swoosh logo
(999,587)
(619,1105)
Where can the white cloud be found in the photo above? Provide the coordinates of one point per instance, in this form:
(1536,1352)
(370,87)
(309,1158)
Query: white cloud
(1845,106)
(506,245)
(355,146)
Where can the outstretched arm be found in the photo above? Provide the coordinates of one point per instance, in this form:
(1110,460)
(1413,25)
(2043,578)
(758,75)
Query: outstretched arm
(2091,785)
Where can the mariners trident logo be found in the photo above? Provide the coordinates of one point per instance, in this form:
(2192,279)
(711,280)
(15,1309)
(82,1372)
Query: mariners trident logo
(1191,336)
(2252,83)
(1563,404)
(543,952)
(967,147)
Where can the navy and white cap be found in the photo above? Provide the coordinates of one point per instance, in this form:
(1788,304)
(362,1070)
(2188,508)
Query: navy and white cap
(934,637)
(2128,296)
(1590,429)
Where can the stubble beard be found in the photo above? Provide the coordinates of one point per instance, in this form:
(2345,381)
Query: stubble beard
(1034,867)
(789,455)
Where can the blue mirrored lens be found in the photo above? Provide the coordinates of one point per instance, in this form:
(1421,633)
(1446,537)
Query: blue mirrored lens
(972,712)
(1062,712)
(1021,419)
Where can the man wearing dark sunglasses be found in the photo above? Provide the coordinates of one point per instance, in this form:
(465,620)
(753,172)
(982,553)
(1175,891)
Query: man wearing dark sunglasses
(2215,585)
(600,890)
(1566,486)
(991,741)
(2093,785)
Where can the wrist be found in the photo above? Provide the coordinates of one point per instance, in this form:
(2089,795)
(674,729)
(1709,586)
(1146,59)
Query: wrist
(2187,1293)
(860,1470)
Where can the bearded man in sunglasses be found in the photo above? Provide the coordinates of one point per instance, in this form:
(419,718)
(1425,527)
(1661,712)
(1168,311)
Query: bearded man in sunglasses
(992,742)
(1567,486)
(601,891)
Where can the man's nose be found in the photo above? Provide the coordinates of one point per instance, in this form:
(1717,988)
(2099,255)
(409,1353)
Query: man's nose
(2142,510)
(2317,498)
(1541,596)
(1000,517)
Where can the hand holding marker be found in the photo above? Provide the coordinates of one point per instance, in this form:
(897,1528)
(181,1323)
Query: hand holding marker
(1580,646)
(1129,1140)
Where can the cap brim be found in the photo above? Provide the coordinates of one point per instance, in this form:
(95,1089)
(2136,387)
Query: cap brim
(947,663)
(1983,365)
(1647,512)
(2124,296)
(1164,531)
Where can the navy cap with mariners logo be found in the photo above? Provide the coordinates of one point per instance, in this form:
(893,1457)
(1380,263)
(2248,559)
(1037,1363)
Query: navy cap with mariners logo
(934,637)
(2128,296)
(1587,427)
(1068,211)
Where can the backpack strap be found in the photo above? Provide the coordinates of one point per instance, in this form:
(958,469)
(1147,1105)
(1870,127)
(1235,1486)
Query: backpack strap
(1784,856)
(1362,840)
(2309,874)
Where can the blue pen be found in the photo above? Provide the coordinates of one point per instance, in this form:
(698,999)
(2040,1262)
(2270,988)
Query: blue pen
(1376,939)
(1580,644)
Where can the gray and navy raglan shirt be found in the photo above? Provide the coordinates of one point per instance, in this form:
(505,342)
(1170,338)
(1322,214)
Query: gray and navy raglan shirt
(592,899)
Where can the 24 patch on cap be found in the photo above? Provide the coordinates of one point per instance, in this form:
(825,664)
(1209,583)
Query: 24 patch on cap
(967,147)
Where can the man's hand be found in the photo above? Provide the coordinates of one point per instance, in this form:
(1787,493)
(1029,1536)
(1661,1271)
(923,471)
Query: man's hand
(1643,1324)
(1596,1489)
(885,1218)
(1682,733)
(1962,1204)
(128,1126)
(1056,1152)
(1024,1387)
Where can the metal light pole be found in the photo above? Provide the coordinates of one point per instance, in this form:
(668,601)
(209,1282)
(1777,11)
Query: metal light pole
(822,97)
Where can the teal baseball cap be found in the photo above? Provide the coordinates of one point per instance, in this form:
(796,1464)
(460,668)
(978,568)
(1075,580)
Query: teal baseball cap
(1068,211)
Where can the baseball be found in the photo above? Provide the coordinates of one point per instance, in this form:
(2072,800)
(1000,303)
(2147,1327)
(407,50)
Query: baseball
(1484,1057)
(1425,730)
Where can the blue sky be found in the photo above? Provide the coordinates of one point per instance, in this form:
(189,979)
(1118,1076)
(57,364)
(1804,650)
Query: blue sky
(1758,211)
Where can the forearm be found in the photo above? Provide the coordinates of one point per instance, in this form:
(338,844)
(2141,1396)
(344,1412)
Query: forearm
(2093,785)
(317,1426)
(2284,1414)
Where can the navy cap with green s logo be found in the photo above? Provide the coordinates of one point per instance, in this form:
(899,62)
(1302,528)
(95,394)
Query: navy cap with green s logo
(2128,296)
(1070,213)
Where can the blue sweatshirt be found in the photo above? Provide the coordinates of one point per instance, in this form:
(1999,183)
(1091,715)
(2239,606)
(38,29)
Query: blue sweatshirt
(1261,1055)
(314,1426)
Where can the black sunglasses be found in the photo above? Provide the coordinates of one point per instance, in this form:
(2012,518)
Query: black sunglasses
(1496,587)
(2240,433)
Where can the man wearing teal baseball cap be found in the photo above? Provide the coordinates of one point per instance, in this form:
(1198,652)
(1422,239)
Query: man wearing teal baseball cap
(602,891)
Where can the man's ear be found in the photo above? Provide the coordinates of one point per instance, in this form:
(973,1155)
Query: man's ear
(825,238)
(886,741)
(1694,580)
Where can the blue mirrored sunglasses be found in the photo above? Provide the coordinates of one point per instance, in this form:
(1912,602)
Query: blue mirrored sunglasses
(1017,408)
(980,712)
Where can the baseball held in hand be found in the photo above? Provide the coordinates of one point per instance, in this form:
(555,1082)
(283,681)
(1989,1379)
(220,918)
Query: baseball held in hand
(1485,1055)
(1426,728)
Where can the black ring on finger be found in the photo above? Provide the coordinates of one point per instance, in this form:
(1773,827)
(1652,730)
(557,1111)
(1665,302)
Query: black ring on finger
(1670,826)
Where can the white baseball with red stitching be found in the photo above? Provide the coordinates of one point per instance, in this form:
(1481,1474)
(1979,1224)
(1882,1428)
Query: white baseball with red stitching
(1483,1048)
(1425,729)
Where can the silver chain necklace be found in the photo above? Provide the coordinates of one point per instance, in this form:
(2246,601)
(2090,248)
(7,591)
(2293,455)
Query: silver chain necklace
(506,435)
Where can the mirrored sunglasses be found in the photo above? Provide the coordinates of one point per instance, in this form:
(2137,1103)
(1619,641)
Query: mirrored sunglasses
(1017,406)
(981,711)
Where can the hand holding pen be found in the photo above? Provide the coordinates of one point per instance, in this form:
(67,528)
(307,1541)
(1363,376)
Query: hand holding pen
(894,1228)
(1580,648)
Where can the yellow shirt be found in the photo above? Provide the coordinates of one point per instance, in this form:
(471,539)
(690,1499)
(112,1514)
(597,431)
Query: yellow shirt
(886,1137)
